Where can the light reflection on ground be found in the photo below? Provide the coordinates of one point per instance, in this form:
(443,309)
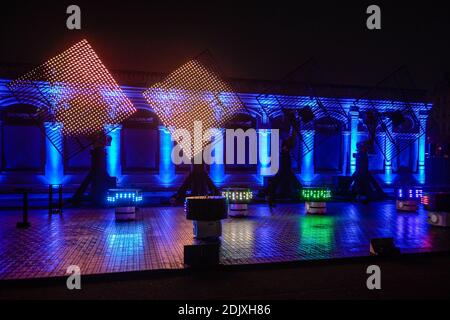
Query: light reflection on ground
(92,239)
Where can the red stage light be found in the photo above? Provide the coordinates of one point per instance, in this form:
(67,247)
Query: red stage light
(425,200)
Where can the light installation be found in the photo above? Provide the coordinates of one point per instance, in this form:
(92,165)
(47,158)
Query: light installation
(124,196)
(75,90)
(193,93)
(206,213)
(408,198)
(436,201)
(425,200)
(303,109)
(400,124)
(238,198)
(409,193)
(195,100)
(125,202)
(308,120)
(238,195)
(316,194)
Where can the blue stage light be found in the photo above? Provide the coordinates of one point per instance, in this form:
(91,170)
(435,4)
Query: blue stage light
(122,197)
(409,193)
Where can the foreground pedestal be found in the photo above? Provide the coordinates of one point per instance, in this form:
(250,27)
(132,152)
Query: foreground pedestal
(406,205)
(125,213)
(202,254)
(207,229)
(316,207)
(237,209)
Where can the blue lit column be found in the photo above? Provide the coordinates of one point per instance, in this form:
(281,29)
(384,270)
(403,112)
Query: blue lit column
(113,152)
(307,170)
(217,169)
(263,152)
(1,147)
(345,153)
(354,118)
(54,166)
(166,166)
(389,151)
(422,145)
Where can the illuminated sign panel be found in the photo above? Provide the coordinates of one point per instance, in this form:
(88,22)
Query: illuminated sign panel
(316,194)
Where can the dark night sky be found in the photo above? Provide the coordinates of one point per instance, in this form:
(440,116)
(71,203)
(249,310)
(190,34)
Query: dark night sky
(255,40)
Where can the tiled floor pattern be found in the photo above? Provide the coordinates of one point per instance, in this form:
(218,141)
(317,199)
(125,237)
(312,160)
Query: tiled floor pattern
(96,243)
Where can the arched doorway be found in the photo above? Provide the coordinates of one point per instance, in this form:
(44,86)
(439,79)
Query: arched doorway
(328,145)
(140,143)
(241,121)
(22,140)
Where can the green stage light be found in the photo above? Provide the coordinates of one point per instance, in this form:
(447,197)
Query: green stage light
(238,195)
(316,194)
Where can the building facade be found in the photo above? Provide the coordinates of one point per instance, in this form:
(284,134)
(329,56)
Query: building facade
(139,154)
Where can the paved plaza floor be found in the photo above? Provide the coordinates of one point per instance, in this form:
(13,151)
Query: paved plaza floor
(94,241)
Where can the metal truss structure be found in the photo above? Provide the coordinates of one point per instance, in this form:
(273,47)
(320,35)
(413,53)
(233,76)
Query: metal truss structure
(299,95)
(395,117)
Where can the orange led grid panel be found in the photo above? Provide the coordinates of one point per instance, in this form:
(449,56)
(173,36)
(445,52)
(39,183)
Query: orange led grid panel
(193,92)
(76,90)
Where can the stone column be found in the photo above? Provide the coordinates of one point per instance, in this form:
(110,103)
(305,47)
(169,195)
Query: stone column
(389,152)
(307,169)
(1,146)
(422,140)
(346,152)
(217,169)
(263,150)
(423,116)
(354,118)
(166,166)
(113,152)
(54,165)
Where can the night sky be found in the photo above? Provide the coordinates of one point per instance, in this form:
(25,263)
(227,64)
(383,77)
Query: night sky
(256,40)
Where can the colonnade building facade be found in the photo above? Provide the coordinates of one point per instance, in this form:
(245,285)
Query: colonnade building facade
(140,152)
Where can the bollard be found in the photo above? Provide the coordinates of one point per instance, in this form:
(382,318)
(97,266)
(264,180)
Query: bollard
(24,223)
(51,204)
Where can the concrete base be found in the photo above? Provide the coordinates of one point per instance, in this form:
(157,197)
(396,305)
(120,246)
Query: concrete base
(207,229)
(316,207)
(237,209)
(441,219)
(406,205)
(125,213)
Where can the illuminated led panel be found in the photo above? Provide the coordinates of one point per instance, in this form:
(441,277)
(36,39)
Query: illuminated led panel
(238,195)
(316,194)
(193,92)
(76,90)
(124,196)
(409,193)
